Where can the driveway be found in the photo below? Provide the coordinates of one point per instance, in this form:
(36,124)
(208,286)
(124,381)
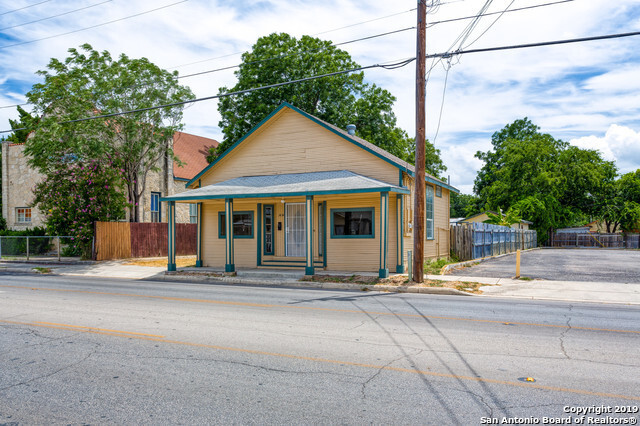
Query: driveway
(615,266)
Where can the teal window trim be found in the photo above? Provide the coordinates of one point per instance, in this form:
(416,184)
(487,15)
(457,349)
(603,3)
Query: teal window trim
(358,209)
(155,206)
(264,226)
(428,207)
(235,236)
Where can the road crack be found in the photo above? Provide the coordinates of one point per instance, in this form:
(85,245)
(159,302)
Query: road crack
(564,332)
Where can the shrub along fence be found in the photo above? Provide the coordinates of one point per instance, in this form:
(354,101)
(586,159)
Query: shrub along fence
(36,246)
(123,240)
(475,240)
(589,239)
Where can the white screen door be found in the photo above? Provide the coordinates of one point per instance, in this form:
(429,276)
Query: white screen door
(295,236)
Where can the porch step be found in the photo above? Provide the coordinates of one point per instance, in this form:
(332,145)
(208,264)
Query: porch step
(292,274)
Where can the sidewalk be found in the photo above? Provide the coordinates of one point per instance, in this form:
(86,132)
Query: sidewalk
(596,292)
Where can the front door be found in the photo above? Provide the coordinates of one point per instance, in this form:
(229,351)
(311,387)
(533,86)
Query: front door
(295,235)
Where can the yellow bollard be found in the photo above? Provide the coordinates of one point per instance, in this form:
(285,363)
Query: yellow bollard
(517,263)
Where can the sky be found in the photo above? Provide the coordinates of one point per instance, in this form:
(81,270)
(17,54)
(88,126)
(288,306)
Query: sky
(587,93)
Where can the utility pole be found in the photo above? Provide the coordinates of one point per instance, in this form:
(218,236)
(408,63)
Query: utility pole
(418,210)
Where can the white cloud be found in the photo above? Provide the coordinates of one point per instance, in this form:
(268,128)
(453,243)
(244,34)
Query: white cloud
(620,144)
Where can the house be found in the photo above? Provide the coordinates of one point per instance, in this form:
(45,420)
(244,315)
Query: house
(19,179)
(299,192)
(482,217)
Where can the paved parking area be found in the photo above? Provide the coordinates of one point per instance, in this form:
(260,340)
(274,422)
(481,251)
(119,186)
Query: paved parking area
(594,265)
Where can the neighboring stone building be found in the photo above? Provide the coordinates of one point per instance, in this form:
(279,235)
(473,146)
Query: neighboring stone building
(19,179)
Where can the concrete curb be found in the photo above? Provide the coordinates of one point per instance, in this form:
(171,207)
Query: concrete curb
(310,284)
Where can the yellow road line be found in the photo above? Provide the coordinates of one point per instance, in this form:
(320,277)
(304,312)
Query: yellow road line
(95,329)
(142,336)
(312,308)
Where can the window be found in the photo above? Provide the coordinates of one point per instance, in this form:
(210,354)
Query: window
(193,213)
(242,225)
(155,207)
(438,191)
(268,229)
(352,223)
(429,211)
(23,214)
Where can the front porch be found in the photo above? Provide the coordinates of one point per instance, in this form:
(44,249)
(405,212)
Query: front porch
(311,221)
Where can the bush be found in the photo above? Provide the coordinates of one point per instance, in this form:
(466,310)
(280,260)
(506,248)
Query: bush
(18,246)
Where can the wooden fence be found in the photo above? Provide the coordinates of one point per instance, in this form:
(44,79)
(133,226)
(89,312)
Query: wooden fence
(475,240)
(589,239)
(123,240)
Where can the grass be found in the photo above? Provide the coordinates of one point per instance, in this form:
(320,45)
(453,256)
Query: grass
(41,270)
(434,267)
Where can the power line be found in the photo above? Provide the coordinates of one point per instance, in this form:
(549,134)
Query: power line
(268,59)
(239,92)
(93,26)
(22,8)
(523,46)
(498,13)
(54,16)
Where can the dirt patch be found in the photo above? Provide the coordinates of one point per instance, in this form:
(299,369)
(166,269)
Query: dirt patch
(181,262)
(396,280)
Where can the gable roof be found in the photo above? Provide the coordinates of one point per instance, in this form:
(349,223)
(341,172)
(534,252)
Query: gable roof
(192,151)
(367,146)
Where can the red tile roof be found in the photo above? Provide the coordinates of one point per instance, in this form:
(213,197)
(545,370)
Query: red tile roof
(192,151)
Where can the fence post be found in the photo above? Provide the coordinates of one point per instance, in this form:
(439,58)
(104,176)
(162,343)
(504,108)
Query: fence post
(410,260)
(27,248)
(58,248)
(0,247)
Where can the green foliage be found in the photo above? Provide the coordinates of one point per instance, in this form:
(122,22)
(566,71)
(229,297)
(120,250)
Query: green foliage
(18,246)
(76,195)
(340,100)
(92,83)
(511,217)
(545,179)
(434,266)
(463,205)
(26,121)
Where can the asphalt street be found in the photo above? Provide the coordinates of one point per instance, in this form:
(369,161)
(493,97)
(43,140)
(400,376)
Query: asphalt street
(74,350)
(590,265)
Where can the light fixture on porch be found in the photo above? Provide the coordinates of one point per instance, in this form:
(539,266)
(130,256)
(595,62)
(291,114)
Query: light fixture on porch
(282,201)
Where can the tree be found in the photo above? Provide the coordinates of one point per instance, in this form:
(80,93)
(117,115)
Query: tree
(618,204)
(507,219)
(92,83)
(75,195)
(463,205)
(340,100)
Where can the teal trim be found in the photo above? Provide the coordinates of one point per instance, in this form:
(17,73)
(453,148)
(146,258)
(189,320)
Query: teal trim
(273,222)
(324,235)
(220,214)
(171,261)
(230,265)
(259,236)
(309,270)
(392,189)
(199,183)
(400,179)
(400,235)
(181,179)
(429,229)
(383,273)
(435,181)
(384,230)
(358,209)
(199,236)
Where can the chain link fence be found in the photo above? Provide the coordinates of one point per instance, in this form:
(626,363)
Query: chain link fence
(38,247)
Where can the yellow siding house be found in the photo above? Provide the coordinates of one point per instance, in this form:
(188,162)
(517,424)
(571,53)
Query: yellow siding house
(299,192)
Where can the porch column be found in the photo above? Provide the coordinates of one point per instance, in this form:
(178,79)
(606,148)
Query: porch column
(171,237)
(309,270)
(383,272)
(199,235)
(399,234)
(230,266)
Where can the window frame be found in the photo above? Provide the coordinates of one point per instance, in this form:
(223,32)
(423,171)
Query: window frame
(353,209)
(159,211)
(24,214)
(221,226)
(429,212)
(193,215)
(438,191)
